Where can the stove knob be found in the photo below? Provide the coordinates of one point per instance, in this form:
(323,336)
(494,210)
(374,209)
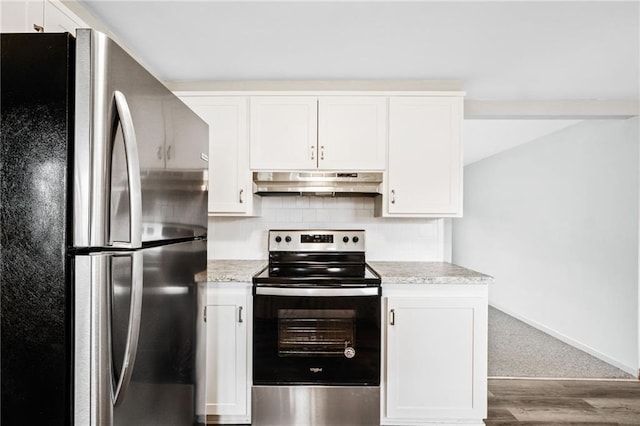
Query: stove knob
(287,239)
(278,239)
(345,239)
(355,239)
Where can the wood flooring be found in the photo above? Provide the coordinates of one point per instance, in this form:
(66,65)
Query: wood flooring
(563,402)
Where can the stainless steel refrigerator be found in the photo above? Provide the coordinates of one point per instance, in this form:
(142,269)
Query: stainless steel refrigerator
(103,226)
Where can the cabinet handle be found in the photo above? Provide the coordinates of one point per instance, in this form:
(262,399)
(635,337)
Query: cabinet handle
(169,152)
(240,197)
(392,317)
(38,28)
(313,152)
(240,314)
(322,152)
(393,196)
(159,153)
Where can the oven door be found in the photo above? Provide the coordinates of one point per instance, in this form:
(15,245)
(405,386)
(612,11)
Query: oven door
(316,336)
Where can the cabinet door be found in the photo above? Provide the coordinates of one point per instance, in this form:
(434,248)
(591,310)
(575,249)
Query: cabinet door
(352,132)
(58,18)
(21,16)
(229,175)
(436,358)
(226,356)
(147,109)
(425,156)
(187,137)
(284,132)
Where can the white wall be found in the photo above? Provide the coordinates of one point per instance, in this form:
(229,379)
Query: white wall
(555,221)
(386,239)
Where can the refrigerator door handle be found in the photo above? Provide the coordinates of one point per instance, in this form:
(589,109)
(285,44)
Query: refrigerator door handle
(133,330)
(133,170)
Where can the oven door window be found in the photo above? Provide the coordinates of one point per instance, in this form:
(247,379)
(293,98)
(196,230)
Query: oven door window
(316,332)
(316,340)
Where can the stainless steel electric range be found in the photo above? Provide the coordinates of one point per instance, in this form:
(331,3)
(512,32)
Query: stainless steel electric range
(316,333)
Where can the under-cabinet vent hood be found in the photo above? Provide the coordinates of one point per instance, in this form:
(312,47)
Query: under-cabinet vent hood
(336,184)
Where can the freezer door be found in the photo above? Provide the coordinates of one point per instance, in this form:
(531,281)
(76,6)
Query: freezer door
(140,154)
(135,336)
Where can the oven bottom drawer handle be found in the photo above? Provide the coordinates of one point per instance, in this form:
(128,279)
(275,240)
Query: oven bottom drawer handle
(317,292)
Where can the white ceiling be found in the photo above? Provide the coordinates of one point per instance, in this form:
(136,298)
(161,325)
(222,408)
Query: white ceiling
(536,50)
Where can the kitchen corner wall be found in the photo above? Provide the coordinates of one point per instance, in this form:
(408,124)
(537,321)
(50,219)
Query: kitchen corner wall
(555,221)
(386,239)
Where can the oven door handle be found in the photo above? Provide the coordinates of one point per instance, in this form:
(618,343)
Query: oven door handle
(318,292)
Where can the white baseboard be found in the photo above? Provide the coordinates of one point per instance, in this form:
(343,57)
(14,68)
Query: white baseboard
(633,370)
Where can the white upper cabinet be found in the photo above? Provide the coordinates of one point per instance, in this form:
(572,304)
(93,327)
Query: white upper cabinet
(149,110)
(185,141)
(58,18)
(21,16)
(414,137)
(168,134)
(352,132)
(424,175)
(326,132)
(284,132)
(229,176)
(29,16)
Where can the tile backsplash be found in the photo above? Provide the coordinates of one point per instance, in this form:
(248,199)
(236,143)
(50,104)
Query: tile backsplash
(408,239)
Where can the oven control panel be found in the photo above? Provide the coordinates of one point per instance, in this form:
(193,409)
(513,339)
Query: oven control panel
(316,240)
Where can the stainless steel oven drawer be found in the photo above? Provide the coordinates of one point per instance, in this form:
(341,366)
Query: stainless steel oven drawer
(315,405)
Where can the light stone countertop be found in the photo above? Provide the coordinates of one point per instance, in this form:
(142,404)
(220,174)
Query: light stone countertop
(230,270)
(391,272)
(427,273)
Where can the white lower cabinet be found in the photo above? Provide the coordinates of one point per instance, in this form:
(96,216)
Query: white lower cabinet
(435,367)
(434,360)
(225,358)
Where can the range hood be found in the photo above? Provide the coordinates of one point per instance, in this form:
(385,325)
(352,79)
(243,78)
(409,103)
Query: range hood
(336,184)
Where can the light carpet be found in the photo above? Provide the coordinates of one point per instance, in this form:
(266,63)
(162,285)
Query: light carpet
(518,350)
